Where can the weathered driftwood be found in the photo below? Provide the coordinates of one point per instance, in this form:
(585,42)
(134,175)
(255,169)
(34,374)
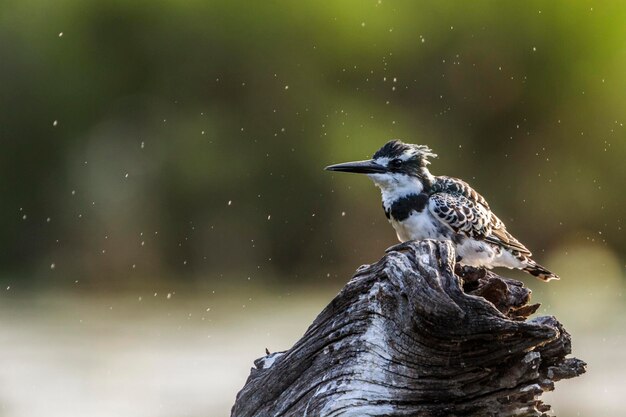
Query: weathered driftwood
(408,337)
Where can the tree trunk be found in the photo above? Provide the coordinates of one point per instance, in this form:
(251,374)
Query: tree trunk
(408,337)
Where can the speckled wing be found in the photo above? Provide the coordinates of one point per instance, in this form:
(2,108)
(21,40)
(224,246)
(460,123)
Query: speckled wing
(450,185)
(500,236)
(465,211)
(461,214)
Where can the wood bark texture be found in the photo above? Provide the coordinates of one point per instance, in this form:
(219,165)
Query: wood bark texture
(408,336)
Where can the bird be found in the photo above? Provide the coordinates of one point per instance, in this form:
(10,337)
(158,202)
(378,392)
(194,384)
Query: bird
(422,206)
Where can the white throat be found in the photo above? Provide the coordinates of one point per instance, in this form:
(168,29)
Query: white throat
(395,186)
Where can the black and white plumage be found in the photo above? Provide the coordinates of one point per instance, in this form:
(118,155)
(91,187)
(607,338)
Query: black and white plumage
(422,206)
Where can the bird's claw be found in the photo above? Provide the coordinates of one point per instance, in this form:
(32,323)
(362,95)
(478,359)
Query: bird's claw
(399,247)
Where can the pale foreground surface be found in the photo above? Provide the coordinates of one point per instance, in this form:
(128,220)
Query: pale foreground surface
(71,355)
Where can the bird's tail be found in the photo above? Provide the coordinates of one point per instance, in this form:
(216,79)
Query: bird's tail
(534,269)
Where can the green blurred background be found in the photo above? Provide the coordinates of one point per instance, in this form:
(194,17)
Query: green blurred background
(165,216)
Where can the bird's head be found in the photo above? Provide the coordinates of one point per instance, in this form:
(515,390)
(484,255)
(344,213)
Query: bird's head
(396,164)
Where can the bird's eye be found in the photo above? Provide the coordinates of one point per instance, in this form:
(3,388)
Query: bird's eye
(395,163)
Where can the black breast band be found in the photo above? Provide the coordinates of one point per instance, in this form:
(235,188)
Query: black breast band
(402,207)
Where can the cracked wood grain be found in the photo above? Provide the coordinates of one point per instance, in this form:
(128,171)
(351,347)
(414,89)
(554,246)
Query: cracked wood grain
(409,337)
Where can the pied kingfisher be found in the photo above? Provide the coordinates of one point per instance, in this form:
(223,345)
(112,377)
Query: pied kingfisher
(422,206)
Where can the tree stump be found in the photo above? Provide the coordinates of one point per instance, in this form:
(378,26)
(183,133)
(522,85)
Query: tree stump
(409,337)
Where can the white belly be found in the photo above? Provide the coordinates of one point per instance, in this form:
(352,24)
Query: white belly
(480,253)
(477,253)
(418,226)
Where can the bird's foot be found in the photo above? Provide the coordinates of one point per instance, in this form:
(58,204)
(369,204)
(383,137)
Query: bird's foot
(399,247)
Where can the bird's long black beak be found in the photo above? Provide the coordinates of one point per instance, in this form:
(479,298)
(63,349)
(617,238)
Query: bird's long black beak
(358,167)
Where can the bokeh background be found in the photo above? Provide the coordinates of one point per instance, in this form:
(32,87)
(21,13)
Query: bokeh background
(165,216)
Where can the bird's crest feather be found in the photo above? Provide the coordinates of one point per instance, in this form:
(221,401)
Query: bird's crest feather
(396,148)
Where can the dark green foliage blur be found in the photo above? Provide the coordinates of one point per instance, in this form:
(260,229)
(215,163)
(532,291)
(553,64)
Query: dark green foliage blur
(172,140)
